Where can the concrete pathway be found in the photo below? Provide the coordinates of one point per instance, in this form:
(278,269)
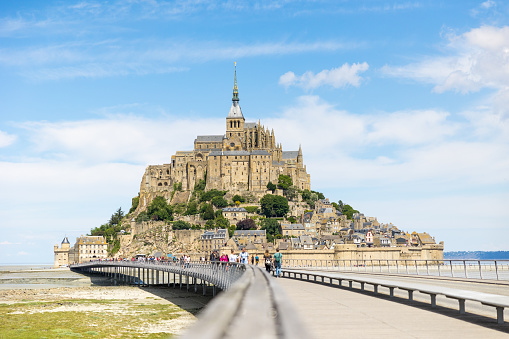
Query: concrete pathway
(340,313)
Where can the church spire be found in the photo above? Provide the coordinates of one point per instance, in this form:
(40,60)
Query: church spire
(235,88)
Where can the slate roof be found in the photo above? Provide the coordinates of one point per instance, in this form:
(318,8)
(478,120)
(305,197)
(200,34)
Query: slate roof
(244,233)
(249,124)
(65,241)
(260,152)
(292,227)
(283,245)
(290,155)
(306,240)
(213,153)
(234,209)
(235,111)
(214,138)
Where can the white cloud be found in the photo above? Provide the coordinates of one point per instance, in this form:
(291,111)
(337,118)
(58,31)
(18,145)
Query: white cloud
(117,138)
(478,59)
(6,139)
(396,148)
(82,59)
(9,243)
(488,4)
(335,77)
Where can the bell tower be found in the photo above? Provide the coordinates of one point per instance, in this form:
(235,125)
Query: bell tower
(235,120)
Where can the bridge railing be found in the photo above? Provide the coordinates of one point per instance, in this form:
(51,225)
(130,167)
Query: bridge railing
(252,303)
(221,274)
(467,268)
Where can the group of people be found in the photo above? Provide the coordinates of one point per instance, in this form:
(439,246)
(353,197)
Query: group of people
(242,257)
(271,261)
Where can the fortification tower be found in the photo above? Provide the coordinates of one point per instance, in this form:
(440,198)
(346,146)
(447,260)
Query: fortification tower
(62,253)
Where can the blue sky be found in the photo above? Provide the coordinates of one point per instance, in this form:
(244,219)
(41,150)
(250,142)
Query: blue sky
(401,107)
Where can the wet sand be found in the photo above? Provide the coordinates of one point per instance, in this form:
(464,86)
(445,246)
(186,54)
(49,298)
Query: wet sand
(29,293)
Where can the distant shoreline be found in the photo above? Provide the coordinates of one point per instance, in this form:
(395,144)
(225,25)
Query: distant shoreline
(477,255)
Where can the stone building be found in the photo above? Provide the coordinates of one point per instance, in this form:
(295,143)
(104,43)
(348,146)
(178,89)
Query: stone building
(244,237)
(62,253)
(88,248)
(210,240)
(245,158)
(234,214)
(295,230)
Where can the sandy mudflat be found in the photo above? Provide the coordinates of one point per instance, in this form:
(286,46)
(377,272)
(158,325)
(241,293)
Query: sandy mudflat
(85,310)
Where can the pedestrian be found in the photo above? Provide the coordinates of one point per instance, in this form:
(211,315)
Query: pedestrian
(224,257)
(268,260)
(233,257)
(244,256)
(252,260)
(213,256)
(257,259)
(277,262)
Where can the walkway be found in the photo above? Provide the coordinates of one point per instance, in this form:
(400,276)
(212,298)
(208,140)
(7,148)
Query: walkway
(334,312)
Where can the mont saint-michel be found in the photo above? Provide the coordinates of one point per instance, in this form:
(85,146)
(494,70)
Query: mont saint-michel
(245,158)
(241,189)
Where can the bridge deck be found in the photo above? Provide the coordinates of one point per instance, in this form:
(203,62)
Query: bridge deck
(333,312)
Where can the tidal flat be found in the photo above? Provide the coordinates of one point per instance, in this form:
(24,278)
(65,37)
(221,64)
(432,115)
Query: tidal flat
(87,309)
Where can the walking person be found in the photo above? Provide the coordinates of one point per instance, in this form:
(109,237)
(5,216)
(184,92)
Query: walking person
(233,257)
(268,260)
(277,262)
(244,256)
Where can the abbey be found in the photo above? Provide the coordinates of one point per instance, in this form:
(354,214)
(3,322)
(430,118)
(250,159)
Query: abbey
(245,158)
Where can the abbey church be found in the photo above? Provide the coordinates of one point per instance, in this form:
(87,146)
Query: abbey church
(245,158)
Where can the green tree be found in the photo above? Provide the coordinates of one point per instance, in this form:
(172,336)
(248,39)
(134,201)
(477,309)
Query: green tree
(210,224)
(290,193)
(246,224)
(284,181)
(238,198)
(292,220)
(208,213)
(306,194)
(192,208)
(272,228)
(177,186)
(222,222)
(219,202)
(340,205)
(209,195)
(231,229)
(274,206)
(143,216)
(116,217)
(349,211)
(271,186)
(181,225)
(320,195)
(134,204)
(159,209)
(201,185)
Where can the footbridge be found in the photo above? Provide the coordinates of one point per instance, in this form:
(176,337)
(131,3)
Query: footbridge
(333,299)
(252,304)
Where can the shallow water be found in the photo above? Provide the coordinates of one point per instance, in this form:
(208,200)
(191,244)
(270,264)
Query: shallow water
(39,277)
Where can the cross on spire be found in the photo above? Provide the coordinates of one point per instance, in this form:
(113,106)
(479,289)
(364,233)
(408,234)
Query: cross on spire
(235,88)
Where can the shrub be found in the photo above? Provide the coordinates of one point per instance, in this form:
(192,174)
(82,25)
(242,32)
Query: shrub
(181,225)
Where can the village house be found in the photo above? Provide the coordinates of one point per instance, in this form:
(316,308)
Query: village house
(210,241)
(292,230)
(234,214)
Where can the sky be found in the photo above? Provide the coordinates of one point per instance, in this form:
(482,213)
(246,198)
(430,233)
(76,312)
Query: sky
(401,107)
